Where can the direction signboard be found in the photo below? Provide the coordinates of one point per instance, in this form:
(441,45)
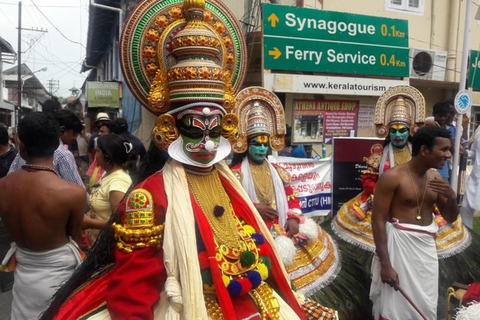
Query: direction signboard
(301,39)
(474,74)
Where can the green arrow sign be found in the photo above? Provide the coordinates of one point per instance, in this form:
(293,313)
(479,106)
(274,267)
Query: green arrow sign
(474,74)
(326,41)
(320,56)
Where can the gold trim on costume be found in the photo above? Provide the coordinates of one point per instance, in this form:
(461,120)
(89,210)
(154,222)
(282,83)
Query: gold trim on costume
(284,174)
(129,239)
(263,183)
(401,156)
(138,229)
(214,310)
(307,255)
(266,302)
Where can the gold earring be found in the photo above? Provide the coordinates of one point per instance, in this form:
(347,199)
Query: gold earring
(277,142)
(230,127)
(165,131)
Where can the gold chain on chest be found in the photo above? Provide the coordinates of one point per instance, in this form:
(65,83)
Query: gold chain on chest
(263,183)
(210,195)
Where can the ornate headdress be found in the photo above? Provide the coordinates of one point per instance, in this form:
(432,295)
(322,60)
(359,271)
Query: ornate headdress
(400,104)
(259,111)
(180,55)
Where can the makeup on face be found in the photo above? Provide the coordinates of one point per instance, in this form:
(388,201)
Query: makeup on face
(258,148)
(398,135)
(201,136)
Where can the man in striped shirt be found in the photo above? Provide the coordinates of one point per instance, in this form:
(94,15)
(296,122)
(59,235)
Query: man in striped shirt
(63,160)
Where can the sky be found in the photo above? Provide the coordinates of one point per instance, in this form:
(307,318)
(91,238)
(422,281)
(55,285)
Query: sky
(60,51)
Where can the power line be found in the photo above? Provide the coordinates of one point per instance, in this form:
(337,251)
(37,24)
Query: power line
(8,19)
(76,42)
(42,5)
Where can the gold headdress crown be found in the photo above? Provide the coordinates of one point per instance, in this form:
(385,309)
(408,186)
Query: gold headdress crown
(176,54)
(400,104)
(259,111)
(400,113)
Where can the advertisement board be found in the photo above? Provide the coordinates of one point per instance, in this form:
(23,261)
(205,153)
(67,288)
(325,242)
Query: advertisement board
(301,83)
(317,121)
(103,94)
(348,163)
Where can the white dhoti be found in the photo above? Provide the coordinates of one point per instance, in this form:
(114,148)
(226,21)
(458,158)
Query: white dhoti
(413,255)
(38,275)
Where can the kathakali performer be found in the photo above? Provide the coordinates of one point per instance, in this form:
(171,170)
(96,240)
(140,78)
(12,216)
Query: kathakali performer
(399,112)
(187,242)
(309,254)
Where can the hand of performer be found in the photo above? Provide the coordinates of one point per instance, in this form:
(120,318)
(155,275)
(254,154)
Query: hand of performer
(442,187)
(291,227)
(266,211)
(390,276)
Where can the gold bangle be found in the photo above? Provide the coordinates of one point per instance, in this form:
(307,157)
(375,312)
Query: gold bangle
(129,239)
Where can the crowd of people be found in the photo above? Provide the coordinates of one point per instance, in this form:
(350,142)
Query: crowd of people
(102,229)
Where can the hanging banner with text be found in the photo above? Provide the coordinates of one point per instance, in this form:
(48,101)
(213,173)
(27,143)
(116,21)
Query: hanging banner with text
(103,94)
(318,121)
(301,39)
(348,163)
(474,74)
(312,180)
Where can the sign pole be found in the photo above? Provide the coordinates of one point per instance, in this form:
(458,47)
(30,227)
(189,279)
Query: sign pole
(461,86)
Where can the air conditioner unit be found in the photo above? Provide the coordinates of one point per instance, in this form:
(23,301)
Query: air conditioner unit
(428,64)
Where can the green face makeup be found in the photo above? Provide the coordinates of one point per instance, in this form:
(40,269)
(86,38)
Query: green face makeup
(398,135)
(201,137)
(258,148)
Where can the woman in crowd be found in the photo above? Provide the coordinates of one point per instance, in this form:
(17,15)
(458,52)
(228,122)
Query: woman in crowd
(112,152)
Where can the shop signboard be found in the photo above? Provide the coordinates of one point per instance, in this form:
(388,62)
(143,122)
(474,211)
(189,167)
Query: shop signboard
(103,94)
(317,121)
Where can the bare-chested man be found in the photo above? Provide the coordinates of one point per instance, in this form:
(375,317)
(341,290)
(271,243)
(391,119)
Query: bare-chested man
(44,214)
(404,230)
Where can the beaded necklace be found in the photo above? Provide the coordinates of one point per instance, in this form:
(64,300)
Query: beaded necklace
(36,167)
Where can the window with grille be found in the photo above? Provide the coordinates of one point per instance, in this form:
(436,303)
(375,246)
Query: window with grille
(414,6)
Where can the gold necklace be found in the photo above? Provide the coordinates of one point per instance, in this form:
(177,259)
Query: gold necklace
(419,208)
(209,193)
(401,156)
(262,180)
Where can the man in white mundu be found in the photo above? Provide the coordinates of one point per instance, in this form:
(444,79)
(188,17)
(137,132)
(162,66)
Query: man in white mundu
(404,230)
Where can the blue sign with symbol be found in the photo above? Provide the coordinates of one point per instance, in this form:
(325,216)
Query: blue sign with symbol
(463,101)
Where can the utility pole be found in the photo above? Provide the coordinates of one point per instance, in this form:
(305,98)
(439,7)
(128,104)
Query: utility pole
(462,84)
(18,108)
(53,86)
